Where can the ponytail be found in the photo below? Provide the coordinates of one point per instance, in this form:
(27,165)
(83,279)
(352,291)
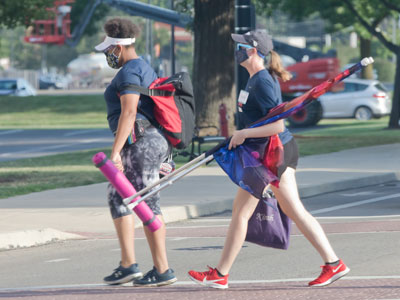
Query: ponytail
(276,68)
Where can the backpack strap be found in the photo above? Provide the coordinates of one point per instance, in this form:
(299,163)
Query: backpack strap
(148,92)
(145,91)
(142,90)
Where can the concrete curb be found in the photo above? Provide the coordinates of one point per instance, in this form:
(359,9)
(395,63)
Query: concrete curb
(348,184)
(171,214)
(29,238)
(180,213)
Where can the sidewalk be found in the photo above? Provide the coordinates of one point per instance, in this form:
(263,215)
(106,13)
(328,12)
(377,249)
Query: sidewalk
(82,212)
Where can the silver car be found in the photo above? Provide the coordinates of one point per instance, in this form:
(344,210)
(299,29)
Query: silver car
(16,87)
(361,99)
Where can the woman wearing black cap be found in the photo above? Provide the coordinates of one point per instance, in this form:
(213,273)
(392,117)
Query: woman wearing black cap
(262,93)
(139,157)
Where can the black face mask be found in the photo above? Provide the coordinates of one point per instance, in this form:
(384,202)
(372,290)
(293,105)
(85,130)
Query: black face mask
(241,56)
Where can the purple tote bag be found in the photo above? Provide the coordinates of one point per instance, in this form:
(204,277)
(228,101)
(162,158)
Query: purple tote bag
(269,226)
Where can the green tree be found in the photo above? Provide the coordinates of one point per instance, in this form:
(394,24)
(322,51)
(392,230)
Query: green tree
(22,12)
(213,68)
(214,64)
(13,15)
(365,15)
(365,11)
(78,16)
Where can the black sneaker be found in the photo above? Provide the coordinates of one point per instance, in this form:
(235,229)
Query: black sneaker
(123,275)
(153,278)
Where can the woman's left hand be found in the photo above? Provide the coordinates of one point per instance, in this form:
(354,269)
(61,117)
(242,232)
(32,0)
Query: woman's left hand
(117,161)
(237,138)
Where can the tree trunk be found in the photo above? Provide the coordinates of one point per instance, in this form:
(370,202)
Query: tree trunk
(395,114)
(213,71)
(365,51)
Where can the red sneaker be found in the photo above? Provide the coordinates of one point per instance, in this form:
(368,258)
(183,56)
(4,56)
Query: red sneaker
(330,274)
(210,278)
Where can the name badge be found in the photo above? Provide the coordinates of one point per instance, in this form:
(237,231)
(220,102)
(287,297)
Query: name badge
(243,95)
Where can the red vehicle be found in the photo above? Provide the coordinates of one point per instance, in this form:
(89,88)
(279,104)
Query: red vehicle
(54,30)
(305,76)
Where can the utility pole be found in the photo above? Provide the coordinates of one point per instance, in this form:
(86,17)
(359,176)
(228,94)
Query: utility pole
(395,23)
(172,43)
(245,20)
(149,48)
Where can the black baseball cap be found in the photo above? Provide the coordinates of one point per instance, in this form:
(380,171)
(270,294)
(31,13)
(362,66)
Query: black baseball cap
(258,39)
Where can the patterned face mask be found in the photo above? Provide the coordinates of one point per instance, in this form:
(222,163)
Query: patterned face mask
(112,59)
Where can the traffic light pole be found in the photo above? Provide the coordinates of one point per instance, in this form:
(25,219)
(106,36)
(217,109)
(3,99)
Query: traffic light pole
(245,20)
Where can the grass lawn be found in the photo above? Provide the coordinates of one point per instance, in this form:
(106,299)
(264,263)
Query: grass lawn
(336,135)
(75,169)
(73,111)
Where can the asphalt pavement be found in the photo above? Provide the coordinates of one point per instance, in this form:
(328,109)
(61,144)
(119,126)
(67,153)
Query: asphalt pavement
(25,143)
(81,214)
(77,212)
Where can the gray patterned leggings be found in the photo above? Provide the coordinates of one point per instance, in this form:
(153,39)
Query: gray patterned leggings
(141,161)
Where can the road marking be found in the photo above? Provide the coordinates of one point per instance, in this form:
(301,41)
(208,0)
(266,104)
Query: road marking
(357,203)
(202,226)
(340,170)
(10,131)
(57,260)
(228,219)
(358,232)
(189,282)
(87,141)
(360,217)
(366,193)
(178,238)
(81,132)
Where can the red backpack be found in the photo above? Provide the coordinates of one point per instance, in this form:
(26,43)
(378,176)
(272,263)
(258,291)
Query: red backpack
(174,109)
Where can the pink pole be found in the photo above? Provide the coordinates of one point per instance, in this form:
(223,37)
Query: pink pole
(126,189)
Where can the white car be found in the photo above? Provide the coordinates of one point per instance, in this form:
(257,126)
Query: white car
(361,99)
(16,87)
(90,70)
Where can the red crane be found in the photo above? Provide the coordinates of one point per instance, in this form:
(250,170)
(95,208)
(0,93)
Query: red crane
(54,30)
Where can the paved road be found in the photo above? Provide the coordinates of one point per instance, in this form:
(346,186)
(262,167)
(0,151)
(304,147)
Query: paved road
(87,91)
(363,225)
(25,143)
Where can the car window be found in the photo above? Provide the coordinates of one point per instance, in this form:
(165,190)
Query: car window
(360,86)
(380,87)
(354,87)
(349,87)
(8,85)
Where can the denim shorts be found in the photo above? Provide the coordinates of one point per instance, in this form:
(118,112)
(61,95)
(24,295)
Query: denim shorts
(141,161)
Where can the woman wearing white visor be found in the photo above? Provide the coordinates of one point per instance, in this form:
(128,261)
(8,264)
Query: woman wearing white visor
(138,156)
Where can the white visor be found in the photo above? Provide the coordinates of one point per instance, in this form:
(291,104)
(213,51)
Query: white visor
(109,41)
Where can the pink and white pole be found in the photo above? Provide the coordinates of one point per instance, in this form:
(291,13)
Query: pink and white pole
(125,189)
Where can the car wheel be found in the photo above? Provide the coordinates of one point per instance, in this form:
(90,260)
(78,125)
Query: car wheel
(363,113)
(308,116)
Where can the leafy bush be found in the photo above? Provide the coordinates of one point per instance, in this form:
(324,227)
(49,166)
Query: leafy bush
(386,69)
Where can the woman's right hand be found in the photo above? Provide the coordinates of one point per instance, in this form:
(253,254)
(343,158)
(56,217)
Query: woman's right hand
(237,138)
(117,161)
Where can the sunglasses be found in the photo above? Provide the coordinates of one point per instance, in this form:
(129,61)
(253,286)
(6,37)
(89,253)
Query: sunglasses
(241,46)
